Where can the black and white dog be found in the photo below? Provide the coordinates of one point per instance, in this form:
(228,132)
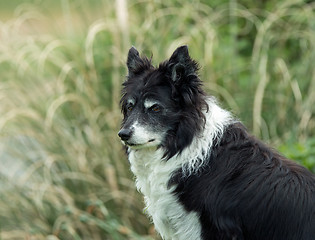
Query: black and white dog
(202,174)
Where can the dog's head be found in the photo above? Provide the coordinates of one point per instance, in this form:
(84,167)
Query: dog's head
(162,106)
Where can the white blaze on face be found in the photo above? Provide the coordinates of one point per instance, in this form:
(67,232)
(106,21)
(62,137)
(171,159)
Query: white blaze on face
(144,137)
(141,134)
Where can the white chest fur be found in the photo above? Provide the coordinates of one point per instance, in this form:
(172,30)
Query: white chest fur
(152,173)
(170,218)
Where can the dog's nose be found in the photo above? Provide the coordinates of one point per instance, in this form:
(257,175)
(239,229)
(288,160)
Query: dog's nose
(124,134)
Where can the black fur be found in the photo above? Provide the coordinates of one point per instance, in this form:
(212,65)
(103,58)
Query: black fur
(249,192)
(245,190)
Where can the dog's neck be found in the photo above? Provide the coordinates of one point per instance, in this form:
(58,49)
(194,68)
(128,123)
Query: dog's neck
(217,119)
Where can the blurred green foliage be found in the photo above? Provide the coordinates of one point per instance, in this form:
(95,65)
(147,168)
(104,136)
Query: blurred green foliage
(303,153)
(64,174)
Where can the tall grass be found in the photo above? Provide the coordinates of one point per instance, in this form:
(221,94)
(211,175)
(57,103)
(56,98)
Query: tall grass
(64,174)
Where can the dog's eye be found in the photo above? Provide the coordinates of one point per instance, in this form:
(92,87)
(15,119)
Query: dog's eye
(155,108)
(129,107)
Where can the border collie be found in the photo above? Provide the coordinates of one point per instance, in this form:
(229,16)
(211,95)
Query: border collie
(203,176)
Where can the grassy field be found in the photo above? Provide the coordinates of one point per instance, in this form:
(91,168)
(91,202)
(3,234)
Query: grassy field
(63,173)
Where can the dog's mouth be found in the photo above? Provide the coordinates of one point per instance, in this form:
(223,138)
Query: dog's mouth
(130,144)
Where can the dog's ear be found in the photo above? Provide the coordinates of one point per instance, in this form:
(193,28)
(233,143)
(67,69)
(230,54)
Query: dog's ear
(180,55)
(133,60)
(137,64)
(180,63)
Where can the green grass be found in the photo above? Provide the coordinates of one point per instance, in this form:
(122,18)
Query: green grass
(63,173)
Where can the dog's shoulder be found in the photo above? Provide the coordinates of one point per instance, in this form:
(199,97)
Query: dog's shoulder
(246,187)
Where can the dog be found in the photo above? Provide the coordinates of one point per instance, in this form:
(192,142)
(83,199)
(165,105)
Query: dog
(203,176)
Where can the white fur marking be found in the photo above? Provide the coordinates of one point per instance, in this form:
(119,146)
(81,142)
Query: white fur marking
(149,103)
(131,101)
(142,136)
(195,154)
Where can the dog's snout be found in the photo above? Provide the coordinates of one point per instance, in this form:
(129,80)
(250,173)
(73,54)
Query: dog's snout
(125,134)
